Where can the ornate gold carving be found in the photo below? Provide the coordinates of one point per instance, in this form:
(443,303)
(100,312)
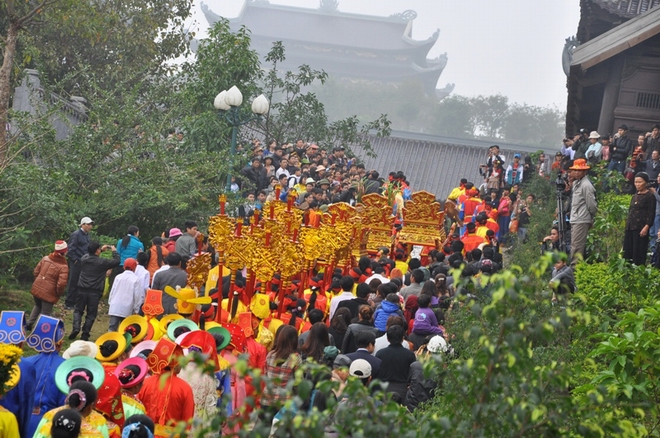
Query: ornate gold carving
(198,269)
(423,220)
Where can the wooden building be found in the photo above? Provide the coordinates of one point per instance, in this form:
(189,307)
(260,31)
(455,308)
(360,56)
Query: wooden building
(349,46)
(614,68)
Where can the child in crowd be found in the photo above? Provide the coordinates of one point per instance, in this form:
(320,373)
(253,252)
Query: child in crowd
(391,306)
(426,322)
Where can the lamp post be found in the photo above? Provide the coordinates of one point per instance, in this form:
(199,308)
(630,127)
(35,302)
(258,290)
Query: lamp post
(228,102)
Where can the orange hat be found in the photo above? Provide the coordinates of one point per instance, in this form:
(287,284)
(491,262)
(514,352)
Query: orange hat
(130,264)
(153,302)
(580,164)
(163,356)
(396,273)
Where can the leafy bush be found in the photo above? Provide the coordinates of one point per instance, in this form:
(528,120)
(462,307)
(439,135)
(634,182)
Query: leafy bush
(633,354)
(605,239)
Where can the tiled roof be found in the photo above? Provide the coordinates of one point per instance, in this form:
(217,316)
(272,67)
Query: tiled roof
(434,164)
(287,23)
(627,8)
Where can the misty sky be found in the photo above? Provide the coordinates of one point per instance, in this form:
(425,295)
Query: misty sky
(512,47)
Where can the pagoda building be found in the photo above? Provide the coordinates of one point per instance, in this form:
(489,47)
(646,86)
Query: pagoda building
(613,67)
(349,46)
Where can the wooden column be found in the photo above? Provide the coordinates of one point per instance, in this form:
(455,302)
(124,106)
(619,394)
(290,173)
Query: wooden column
(611,96)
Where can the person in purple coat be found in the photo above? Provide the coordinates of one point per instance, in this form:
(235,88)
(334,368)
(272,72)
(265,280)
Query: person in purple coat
(425,321)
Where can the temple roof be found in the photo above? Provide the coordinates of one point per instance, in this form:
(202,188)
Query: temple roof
(324,27)
(622,37)
(627,8)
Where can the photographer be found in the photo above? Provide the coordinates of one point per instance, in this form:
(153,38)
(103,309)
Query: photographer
(580,144)
(620,149)
(93,271)
(486,170)
(651,167)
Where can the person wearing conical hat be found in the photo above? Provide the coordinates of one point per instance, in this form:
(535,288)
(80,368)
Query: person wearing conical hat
(46,339)
(10,375)
(137,326)
(112,349)
(19,399)
(167,398)
(79,378)
(222,338)
(131,374)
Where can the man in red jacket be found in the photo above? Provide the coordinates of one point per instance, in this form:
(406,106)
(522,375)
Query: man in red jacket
(471,240)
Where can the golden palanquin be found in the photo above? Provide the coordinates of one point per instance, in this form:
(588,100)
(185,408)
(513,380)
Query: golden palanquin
(423,221)
(376,214)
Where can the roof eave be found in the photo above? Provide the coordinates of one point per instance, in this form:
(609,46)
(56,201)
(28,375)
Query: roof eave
(617,40)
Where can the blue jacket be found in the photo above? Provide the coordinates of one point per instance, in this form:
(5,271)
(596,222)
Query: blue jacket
(130,251)
(385,310)
(46,394)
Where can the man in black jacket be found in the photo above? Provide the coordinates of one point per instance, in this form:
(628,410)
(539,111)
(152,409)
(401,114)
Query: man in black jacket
(90,286)
(365,342)
(396,361)
(77,245)
(256,174)
(361,294)
(620,149)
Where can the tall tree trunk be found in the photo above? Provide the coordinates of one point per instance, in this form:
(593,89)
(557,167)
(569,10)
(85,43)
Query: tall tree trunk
(5,88)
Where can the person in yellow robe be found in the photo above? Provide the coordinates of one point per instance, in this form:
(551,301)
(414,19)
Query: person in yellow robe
(131,374)
(8,424)
(82,398)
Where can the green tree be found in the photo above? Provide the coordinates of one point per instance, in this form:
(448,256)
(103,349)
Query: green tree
(534,126)
(454,117)
(490,115)
(80,45)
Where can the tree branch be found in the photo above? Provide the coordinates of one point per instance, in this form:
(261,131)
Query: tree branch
(30,15)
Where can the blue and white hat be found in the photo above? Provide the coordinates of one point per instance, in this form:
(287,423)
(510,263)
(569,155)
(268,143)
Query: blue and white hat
(46,334)
(11,327)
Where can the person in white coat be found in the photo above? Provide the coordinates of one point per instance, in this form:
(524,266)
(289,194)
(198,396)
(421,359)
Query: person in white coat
(126,295)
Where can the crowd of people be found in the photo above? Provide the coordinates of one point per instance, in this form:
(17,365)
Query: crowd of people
(379,319)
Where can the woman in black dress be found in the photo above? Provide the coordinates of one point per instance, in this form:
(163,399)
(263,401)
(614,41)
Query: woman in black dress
(640,220)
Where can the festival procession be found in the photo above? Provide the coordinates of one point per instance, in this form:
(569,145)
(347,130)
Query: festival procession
(356,279)
(317,293)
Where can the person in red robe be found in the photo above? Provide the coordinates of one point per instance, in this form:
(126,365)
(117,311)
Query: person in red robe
(167,399)
(471,240)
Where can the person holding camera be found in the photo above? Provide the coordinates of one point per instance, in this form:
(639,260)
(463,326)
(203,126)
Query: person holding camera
(494,156)
(580,144)
(620,149)
(93,271)
(652,139)
(651,167)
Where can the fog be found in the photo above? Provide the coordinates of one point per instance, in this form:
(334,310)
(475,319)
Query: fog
(512,47)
